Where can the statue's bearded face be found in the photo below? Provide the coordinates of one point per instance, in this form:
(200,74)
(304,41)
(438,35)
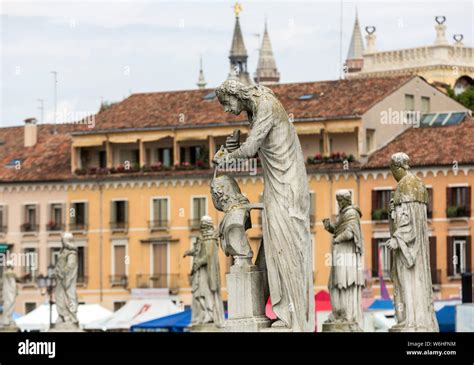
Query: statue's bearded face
(232,105)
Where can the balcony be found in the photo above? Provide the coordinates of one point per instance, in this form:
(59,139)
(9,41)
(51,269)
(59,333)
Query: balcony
(195,223)
(157,281)
(118,280)
(158,225)
(29,227)
(55,227)
(457,212)
(118,226)
(380,214)
(77,227)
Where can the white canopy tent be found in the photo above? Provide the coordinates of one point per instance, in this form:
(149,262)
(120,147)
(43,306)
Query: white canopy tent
(38,319)
(134,312)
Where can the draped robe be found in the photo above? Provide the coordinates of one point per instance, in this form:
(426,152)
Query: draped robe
(10,292)
(66,296)
(285,221)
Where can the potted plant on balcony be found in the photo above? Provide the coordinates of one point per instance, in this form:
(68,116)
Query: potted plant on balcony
(52,225)
(379,214)
(455,211)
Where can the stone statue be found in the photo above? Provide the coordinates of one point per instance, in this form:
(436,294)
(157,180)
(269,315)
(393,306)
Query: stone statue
(10,292)
(285,222)
(346,279)
(206,286)
(411,275)
(65,273)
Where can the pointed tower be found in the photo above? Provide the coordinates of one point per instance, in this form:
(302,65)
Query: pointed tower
(201,81)
(267,72)
(355,59)
(238,53)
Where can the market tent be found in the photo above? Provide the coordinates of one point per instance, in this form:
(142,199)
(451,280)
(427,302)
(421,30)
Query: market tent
(446,317)
(15,314)
(135,311)
(381,304)
(177,322)
(322,303)
(38,319)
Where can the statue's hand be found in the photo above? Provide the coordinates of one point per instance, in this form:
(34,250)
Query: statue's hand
(220,156)
(326,223)
(392,244)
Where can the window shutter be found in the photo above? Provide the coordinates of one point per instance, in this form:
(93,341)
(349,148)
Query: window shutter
(468,254)
(449,197)
(113,215)
(71,217)
(375,258)
(468,201)
(433,253)
(125,208)
(86,213)
(449,255)
(374,200)
(164,209)
(5,216)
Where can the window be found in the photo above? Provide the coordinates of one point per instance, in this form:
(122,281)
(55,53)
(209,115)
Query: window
(458,201)
(381,259)
(160,266)
(192,154)
(81,264)
(409,102)
(78,217)
(30,222)
(459,256)
(30,307)
(312,208)
(119,276)
(119,215)
(165,156)
(3,218)
(199,210)
(370,139)
(53,255)
(380,203)
(102,159)
(159,218)
(425,104)
(55,222)
(31,265)
(130,155)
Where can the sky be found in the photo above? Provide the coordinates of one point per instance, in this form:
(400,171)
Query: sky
(103,51)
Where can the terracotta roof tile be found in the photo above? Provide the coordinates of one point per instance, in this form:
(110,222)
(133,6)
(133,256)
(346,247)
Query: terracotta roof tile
(430,146)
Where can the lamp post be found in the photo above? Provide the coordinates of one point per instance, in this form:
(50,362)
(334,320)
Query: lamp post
(49,283)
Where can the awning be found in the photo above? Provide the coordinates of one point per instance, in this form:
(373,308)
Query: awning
(177,322)
(89,141)
(4,247)
(322,303)
(446,317)
(381,304)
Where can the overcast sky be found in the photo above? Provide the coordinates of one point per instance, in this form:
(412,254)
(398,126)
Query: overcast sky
(109,49)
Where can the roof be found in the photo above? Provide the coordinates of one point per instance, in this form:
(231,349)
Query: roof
(327,100)
(431,146)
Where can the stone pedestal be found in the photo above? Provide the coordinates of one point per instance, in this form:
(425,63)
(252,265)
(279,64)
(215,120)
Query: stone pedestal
(341,327)
(9,329)
(246,301)
(65,327)
(205,327)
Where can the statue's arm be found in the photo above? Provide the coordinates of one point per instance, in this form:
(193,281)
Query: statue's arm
(403,237)
(258,133)
(72,267)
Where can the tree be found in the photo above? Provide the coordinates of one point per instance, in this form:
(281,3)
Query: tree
(466,98)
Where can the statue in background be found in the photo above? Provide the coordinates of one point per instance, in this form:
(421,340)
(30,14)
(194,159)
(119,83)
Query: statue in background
(65,273)
(205,277)
(346,279)
(10,292)
(285,222)
(411,274)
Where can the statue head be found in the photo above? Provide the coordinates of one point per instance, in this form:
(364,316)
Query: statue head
(68,240)
(399,165)
(226,193)
(234,96)
(344,198)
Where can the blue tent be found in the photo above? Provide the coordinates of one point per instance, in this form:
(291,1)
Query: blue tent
(15,314)
(446,317)
(381,304)
(177,322)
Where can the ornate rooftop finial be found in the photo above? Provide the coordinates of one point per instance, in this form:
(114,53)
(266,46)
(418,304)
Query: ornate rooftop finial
(267,72)
(440,30)
(238,53)
(201,80)
(237,9)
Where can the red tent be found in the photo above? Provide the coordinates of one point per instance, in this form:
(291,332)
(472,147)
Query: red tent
(321,302)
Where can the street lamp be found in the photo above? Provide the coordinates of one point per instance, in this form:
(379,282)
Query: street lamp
(49,283)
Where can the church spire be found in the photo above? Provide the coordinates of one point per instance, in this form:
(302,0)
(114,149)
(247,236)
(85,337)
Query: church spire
(238,54)
(201,81)
(267,72)
(355,59)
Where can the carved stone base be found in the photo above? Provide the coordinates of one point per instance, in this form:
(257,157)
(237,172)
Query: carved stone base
(254,324)
(246,302)
(9,329)
(410,329)
(205,327)
(65,327)
(341,327)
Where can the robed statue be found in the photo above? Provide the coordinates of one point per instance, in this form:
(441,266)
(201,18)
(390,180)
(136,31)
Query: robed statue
(10,292)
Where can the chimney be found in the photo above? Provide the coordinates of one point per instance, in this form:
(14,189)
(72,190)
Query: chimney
(31,133)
